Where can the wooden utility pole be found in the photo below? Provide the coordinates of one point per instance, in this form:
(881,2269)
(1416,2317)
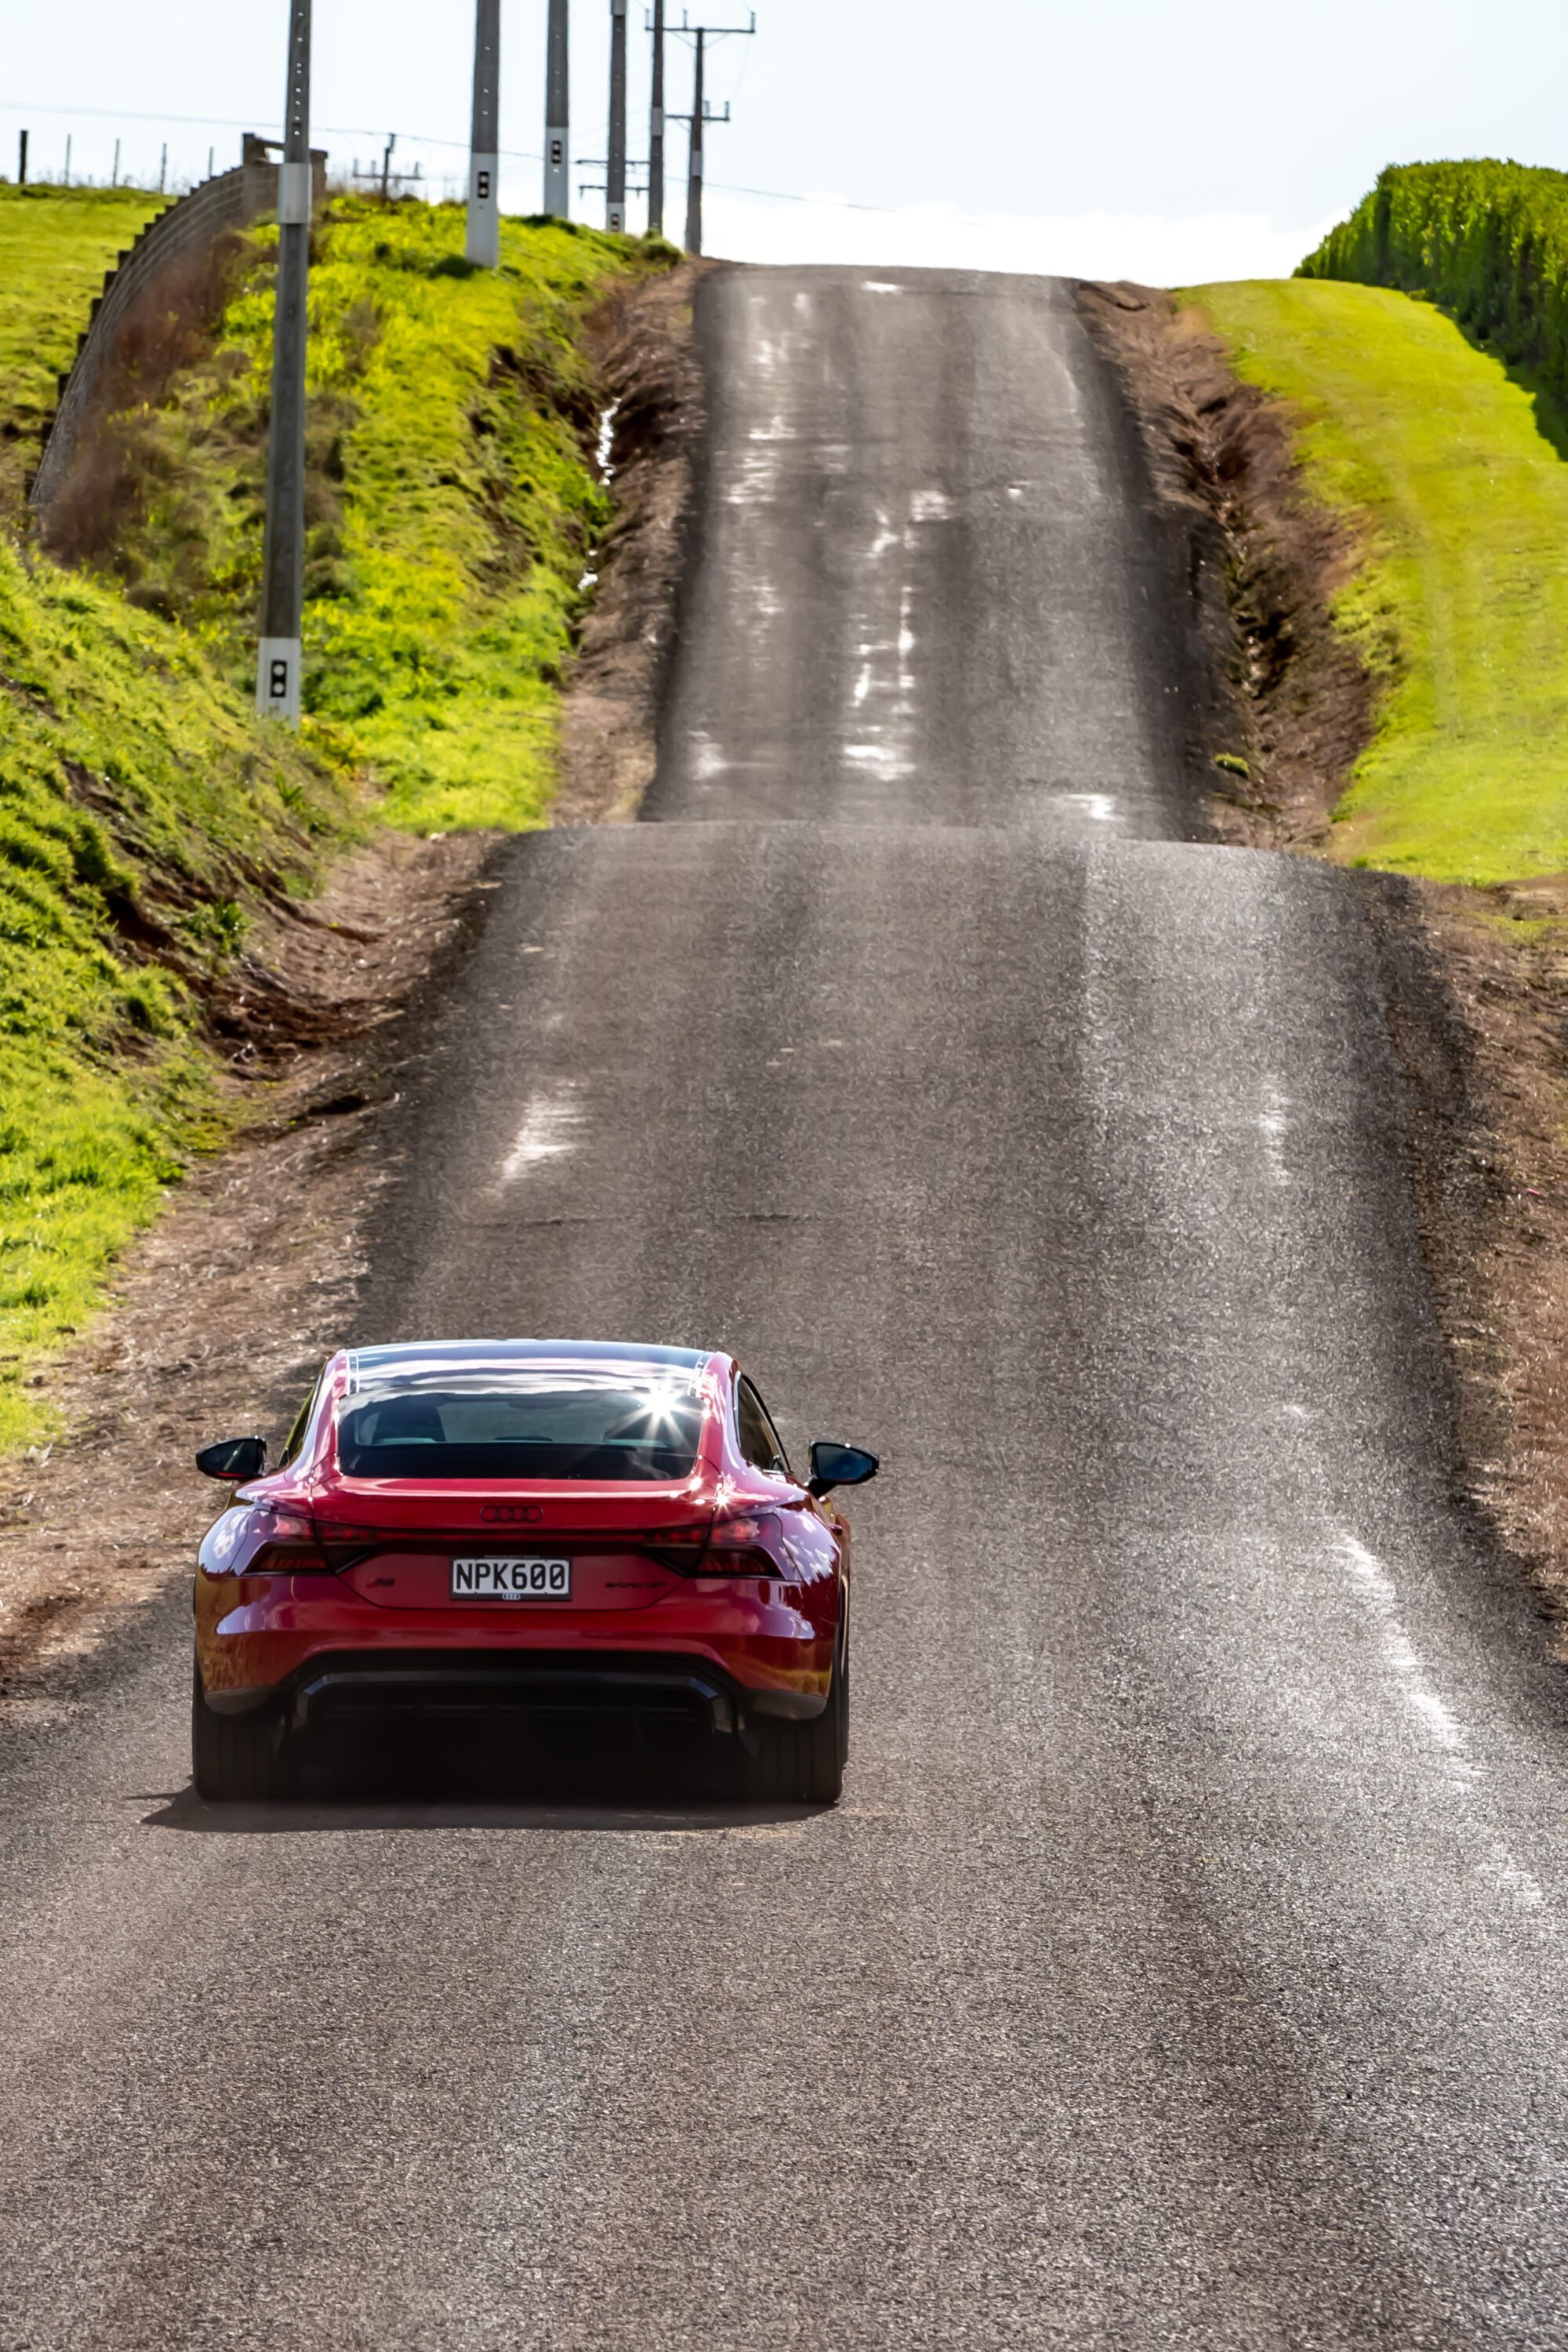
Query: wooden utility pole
(700,117)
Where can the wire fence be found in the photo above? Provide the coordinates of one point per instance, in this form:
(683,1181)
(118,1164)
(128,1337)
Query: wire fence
(97,148)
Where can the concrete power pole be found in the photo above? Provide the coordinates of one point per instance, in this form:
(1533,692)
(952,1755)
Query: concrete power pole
(558,116)
(615,176)
(283,560)
(484,157)
(694,175)
(655,129)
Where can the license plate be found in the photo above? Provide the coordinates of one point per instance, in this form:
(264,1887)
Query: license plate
(511,1579)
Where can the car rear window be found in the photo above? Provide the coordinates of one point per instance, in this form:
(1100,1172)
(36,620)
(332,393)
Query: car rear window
(552,1425)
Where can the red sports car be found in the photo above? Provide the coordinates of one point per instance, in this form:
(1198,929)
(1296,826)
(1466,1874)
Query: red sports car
(528,1528)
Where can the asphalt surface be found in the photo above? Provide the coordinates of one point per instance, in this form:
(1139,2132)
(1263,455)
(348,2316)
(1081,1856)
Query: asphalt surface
(928,587)
(1185,1966)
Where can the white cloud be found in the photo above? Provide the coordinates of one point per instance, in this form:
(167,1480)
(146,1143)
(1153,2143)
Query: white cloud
(1157,251)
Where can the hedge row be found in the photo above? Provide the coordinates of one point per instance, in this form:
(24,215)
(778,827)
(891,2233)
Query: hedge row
(1489,241)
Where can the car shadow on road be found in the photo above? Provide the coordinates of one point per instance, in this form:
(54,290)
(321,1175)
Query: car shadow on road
(184,1810)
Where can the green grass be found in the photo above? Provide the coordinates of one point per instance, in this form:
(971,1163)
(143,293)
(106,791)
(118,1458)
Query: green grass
(1487,241)
(141,803)
(1460,606)
(55,246)
(468,513)
(452,506)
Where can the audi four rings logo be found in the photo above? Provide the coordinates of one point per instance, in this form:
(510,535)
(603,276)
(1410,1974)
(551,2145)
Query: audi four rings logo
(510,1514)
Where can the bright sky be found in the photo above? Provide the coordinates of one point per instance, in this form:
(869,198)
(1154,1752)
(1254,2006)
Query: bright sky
(1168,140)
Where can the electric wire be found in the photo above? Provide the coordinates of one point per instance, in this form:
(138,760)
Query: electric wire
(458,146)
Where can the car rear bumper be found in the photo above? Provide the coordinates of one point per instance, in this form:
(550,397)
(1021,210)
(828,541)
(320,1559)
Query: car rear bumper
(641,1683)
(323,1650)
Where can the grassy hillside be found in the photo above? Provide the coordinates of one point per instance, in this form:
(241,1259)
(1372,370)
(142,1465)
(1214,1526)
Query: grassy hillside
(1487,240)
(1461,605)
(140,804)
(55,246)
(452,506)
(143,807)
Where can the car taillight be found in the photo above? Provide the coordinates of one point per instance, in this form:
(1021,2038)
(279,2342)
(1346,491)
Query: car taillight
(282,1543)
(340,1546)
(738,1543)
(677,1547)
(746,1543)
(288,1543)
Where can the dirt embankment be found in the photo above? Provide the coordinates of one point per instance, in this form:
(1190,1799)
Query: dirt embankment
(652,384)
(1476,980)
(1295,708)
(224,1311)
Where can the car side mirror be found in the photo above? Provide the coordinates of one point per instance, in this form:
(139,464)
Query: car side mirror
(839,1465)
(235,1458)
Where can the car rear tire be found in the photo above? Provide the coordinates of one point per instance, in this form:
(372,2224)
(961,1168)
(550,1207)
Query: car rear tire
(236,1758)
(803,1763)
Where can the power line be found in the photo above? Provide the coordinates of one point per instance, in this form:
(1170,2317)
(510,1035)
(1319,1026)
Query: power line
(249,122)
(428,139)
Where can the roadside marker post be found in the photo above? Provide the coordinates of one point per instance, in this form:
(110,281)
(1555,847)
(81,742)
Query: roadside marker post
(558,115)
(283,558)
(484,158)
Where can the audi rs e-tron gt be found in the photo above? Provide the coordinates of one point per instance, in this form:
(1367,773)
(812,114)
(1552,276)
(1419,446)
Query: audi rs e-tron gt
(539,1532)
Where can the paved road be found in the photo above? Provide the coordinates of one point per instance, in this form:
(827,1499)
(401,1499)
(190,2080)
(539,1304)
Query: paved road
(1185,1966)
(929,590)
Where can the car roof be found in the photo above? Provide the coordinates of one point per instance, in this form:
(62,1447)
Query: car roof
(367,1366)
